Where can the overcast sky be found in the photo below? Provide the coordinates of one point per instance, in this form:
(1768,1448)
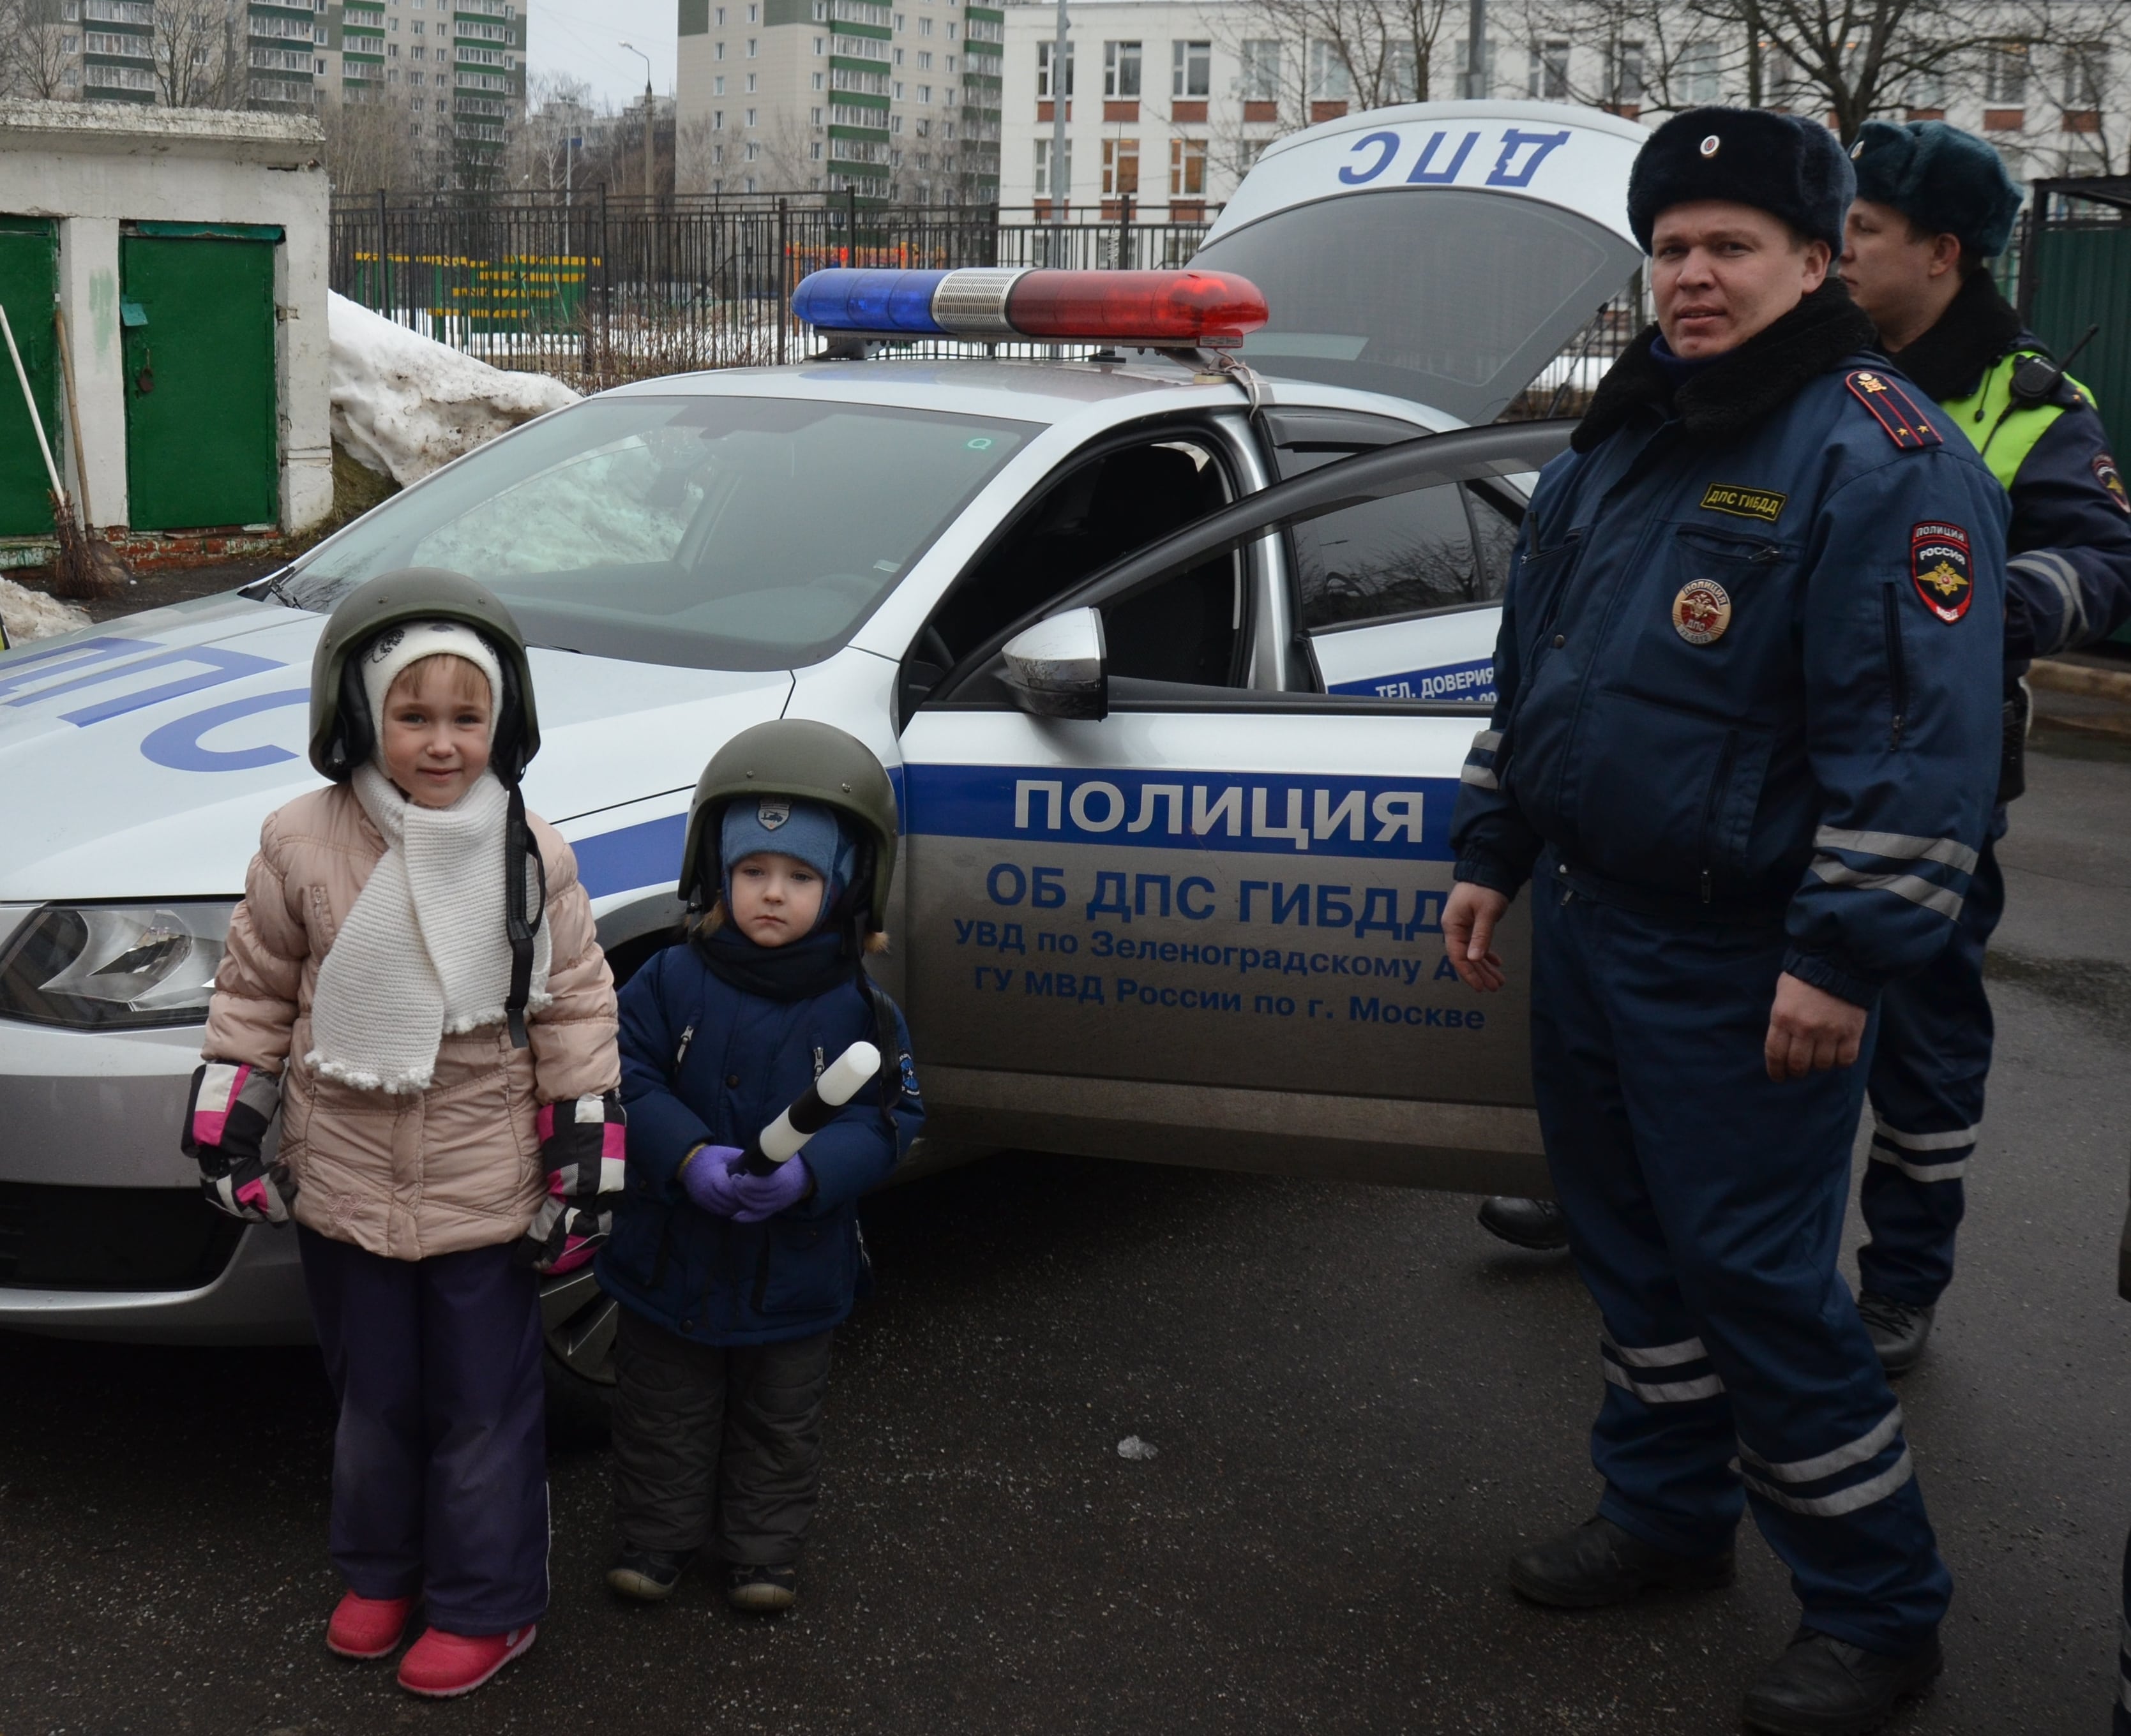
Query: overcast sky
(580,39)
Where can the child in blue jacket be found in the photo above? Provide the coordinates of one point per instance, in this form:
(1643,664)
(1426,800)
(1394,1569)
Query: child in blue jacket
(732,1285)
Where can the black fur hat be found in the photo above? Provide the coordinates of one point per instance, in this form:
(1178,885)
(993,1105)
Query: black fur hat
(1785,165)
(1941,179)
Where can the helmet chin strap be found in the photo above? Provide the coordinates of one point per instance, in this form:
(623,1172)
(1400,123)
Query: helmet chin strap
(517,849)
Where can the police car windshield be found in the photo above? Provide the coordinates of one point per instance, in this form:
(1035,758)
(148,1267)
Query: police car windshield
(713,532)
(1452,299)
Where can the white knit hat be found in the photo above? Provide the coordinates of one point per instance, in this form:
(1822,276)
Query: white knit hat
(394,648)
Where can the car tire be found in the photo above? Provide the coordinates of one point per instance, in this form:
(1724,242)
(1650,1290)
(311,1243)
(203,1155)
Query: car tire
(576,1324)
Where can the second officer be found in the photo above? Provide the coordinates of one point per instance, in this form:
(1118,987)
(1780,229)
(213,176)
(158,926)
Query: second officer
(1746,738)
(1934,204)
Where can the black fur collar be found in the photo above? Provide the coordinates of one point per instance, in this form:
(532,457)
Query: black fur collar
(1736,391)
(1978,327)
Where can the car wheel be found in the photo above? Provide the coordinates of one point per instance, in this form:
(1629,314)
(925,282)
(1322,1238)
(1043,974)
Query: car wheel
(578,1322)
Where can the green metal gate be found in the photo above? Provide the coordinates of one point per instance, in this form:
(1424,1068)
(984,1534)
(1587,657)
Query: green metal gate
(29,282)
(196,307)
(2076,272)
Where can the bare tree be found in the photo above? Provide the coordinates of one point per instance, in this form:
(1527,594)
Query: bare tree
(370,144)
(200,54)
(34,54)
(1849,59)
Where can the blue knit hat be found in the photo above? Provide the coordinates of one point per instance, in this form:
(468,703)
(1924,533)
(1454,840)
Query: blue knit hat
(804,830)
(1944,180)
(1782,164)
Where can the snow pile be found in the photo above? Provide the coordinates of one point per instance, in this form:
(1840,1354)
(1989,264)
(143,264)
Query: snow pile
(30,614)
(404,404)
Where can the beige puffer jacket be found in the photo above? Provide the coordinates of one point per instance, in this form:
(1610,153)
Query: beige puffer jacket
(458,1165)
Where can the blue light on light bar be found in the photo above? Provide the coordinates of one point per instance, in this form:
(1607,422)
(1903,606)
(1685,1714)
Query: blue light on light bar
(844,300)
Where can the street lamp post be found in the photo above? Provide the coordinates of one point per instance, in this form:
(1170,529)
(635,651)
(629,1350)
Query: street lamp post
(646,60)
(1060,187)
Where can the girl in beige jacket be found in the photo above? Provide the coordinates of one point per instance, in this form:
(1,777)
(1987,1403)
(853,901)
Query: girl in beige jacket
(413,976)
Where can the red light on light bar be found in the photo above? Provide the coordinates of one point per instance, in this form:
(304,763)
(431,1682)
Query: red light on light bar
(1171,309)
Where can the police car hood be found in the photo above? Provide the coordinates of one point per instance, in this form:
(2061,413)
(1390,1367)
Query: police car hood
(138,757)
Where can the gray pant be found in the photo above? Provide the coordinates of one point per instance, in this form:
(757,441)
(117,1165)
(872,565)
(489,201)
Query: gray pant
(717,1446)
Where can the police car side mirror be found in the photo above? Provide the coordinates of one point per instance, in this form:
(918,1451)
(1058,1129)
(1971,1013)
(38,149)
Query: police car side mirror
(1056,668)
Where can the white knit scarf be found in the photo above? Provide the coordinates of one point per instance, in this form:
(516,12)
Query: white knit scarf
(425,951)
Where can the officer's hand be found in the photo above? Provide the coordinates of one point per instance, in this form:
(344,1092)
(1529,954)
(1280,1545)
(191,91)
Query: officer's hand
(1468,931)
(1810,1030)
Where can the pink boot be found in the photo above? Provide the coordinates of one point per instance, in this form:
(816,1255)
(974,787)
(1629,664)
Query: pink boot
(440,1665)
(368,1626)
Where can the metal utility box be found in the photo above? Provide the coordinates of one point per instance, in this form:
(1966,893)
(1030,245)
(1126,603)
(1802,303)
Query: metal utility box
(29,284)
(196,316)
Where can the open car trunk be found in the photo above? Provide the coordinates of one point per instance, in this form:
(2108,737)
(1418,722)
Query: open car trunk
(1441,252)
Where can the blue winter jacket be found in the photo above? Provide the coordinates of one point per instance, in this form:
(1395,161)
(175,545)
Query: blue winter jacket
(1753,669)
(702,1062)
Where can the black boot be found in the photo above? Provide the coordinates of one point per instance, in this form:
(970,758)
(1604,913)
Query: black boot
(1899,1330)
(649,1576)
(1598,1563)
(1822,1686)
(1525,1223)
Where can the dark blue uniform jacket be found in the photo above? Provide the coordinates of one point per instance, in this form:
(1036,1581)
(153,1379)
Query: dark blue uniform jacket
(702,1062)
(1829,758)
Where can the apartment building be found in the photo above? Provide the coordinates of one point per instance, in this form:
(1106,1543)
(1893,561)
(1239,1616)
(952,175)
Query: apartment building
(457,67)
(1167,102)
(895,101)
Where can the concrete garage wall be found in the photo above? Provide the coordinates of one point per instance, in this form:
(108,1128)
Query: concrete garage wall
(94,166)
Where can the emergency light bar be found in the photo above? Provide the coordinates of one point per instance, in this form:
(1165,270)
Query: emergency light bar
(1151,309)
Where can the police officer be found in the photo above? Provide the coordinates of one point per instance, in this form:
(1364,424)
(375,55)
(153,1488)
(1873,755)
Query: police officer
(1933,205)
(1746,741)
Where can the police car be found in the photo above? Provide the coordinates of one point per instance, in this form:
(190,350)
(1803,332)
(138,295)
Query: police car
(1173,663)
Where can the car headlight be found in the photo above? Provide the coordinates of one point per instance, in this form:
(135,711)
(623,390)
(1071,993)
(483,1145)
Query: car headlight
(108,967)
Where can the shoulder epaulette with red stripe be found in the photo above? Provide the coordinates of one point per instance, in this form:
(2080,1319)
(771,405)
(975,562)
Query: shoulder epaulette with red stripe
(1894,410)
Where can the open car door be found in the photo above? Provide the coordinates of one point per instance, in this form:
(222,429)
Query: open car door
(1192,923)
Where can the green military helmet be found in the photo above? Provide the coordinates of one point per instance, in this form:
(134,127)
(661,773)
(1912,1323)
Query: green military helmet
(808,762)
(343,733)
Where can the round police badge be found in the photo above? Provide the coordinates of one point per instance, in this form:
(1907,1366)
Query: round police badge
(1711,145)
(1701,612)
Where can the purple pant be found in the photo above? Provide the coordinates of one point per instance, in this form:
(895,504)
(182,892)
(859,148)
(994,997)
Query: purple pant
(440,1466)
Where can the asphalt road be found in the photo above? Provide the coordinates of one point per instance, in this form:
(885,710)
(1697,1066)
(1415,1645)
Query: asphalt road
(1361,1406)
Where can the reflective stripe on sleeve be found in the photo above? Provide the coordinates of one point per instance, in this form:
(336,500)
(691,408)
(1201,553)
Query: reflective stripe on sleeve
(1915,887)
(1846,1500)
(1477,776)
(2043,563)
(1487,741)
(1898,847)
(1827,1463)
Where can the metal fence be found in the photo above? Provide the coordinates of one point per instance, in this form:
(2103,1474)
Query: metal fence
(607,288)
(610,288)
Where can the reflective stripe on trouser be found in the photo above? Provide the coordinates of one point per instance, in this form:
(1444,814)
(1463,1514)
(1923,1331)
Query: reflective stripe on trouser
(1928,1073)
(1705,1207)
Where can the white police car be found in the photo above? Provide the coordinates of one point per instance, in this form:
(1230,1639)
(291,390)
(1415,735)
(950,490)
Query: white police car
(1175,856)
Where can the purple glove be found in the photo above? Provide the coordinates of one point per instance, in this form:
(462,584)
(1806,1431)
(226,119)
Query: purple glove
(708,1179)
(765,1196)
